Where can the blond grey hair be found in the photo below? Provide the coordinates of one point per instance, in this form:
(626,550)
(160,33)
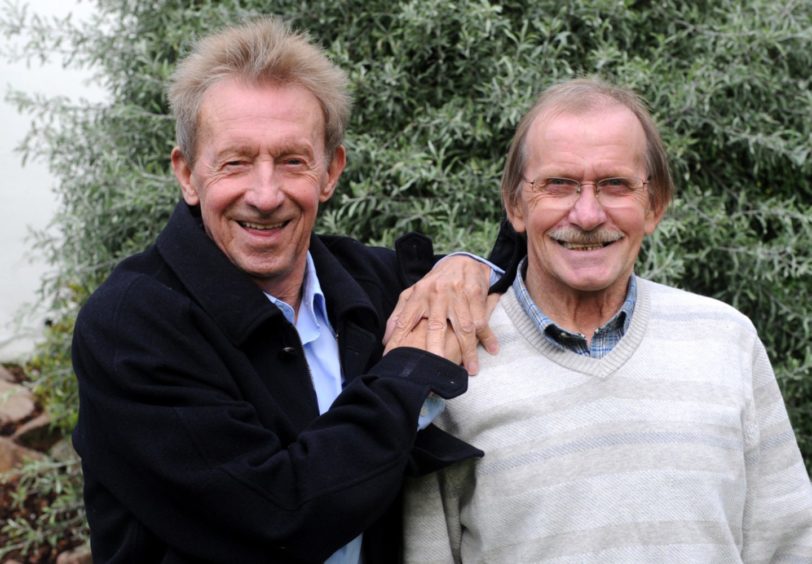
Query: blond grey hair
(258,52)
(579,96)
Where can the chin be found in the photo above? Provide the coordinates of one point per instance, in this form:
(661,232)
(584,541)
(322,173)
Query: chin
(589,284)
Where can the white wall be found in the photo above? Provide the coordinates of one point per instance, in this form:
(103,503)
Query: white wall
(27,199)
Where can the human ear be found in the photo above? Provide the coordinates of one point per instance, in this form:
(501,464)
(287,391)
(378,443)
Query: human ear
(653,217)
(515,214)
(334,170)
(183,172)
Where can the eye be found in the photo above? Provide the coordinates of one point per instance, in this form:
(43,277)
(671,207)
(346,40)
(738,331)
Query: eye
(555,181)
(616,185)
(556,186)
(294,162)
(235,164)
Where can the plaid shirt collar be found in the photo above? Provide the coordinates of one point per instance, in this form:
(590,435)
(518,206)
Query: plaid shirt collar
(605,337)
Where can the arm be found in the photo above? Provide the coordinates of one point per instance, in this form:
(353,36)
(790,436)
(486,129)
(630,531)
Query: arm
(778,508)
(432,527)
(425,535)
(178,425)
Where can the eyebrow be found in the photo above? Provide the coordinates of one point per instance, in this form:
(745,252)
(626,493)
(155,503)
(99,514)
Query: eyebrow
(248,149)
(600,172)
(242,149)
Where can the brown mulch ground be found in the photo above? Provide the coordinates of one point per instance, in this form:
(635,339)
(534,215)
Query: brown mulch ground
(37,554)
(28,510)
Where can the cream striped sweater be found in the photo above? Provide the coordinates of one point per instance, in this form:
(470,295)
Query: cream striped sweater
(673,448)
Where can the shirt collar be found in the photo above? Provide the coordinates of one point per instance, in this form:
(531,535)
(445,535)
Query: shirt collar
(313,308)
(618,323)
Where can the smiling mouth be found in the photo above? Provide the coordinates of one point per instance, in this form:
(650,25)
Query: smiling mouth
(577,240)
(579,247)
(586,242)
(582,247)
(262,226)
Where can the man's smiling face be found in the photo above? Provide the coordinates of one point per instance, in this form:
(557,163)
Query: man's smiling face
(583,247)
(259,176)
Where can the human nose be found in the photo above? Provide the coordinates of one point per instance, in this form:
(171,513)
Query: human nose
(265,192)
(587,212)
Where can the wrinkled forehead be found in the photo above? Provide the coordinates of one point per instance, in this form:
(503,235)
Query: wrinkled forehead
(608,134)
(286,108)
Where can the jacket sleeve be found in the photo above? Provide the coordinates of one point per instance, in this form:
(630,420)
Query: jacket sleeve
(167,431)
(507,252)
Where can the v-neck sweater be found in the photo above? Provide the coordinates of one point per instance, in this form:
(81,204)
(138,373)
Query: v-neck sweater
(674,447)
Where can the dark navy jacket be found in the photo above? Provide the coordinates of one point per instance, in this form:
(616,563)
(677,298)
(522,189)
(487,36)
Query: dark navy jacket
(198,425)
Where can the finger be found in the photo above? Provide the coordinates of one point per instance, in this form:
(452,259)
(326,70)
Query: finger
(484,333)
(395,315)
(470,360)
(471,315)
(403,318)
(452,347)
(491,303)
(390,344)
(415,338)
(437,324)
(464,329)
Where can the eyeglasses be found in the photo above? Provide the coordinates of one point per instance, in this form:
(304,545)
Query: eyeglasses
(613,192)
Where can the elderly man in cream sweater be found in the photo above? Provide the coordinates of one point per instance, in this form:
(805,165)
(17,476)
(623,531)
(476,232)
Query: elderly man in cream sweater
(623,421)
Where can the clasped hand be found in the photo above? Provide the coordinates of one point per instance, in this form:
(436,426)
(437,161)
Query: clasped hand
(446,313)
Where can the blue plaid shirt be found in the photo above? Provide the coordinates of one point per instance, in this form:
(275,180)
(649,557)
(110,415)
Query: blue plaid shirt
(605,337)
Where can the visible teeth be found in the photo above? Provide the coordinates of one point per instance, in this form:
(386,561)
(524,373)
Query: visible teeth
(260,226)
(576,247)
(577,240)
(584,246)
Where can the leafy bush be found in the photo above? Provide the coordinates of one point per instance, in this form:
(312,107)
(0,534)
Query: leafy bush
(439,86)
(46,513)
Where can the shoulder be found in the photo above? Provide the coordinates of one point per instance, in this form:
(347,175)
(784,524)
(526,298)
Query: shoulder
(396,269)
(677,305)
(140,286)
(356,256)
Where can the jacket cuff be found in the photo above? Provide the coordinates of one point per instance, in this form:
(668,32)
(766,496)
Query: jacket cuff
(446,379)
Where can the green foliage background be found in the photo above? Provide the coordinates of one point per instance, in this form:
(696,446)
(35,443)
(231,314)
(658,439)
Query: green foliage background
(439,86)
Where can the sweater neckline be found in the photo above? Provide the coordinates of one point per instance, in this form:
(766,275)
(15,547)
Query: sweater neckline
(597,367)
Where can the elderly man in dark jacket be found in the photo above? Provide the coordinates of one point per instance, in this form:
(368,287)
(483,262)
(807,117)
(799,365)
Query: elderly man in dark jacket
(235,404)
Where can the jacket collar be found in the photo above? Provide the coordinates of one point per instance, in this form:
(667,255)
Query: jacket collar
(230,297)
(344,296)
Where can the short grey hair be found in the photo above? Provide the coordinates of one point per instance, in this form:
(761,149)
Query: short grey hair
(578,96)
(258,52)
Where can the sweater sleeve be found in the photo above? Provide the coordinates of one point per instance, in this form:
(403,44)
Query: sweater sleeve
(432,519)
(778,509)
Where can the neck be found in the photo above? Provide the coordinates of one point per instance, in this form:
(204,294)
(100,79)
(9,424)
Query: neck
(293,300)
(575,310)
(289,290)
